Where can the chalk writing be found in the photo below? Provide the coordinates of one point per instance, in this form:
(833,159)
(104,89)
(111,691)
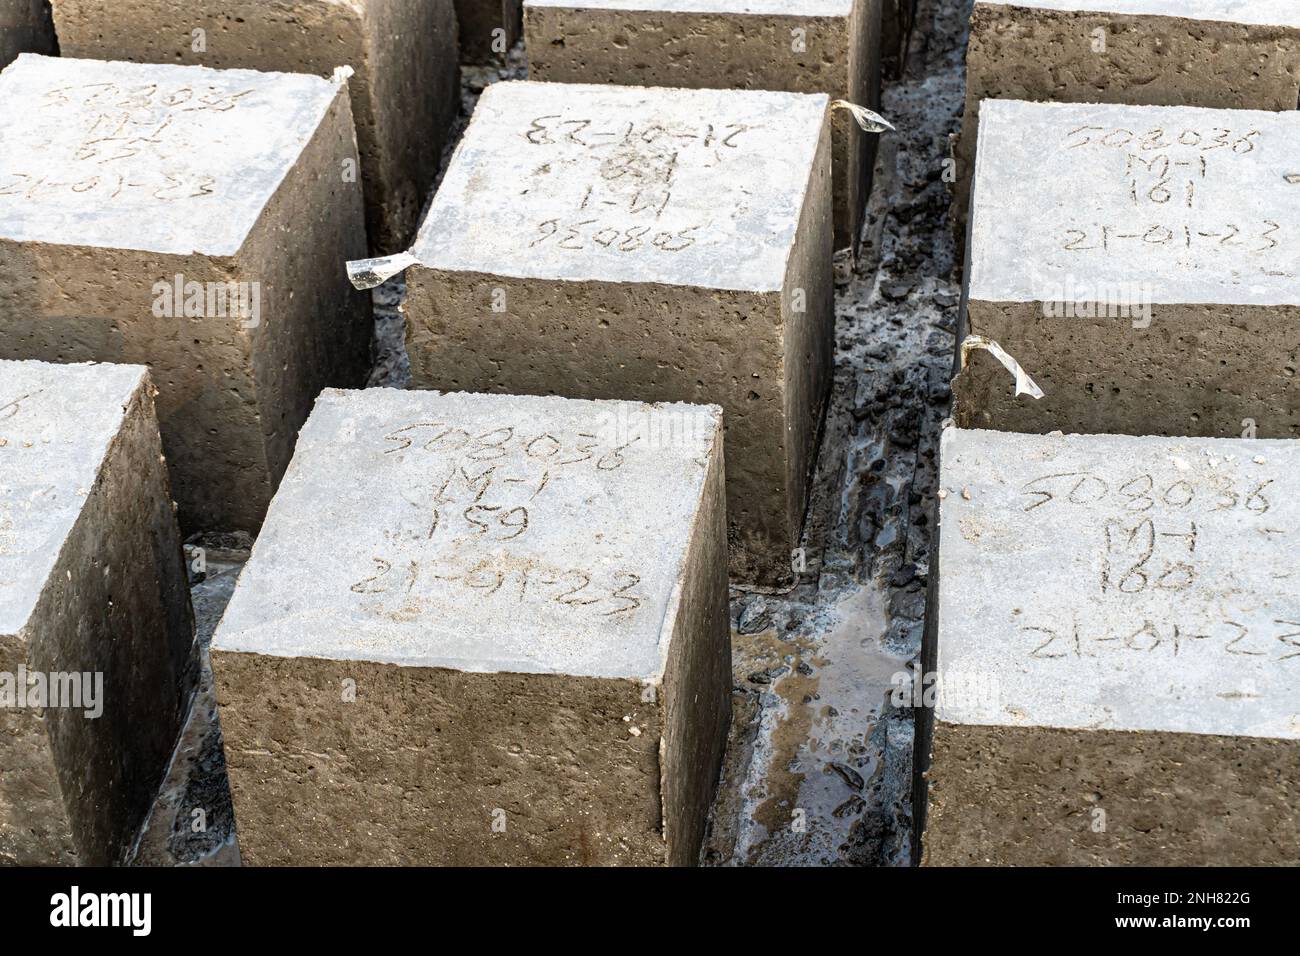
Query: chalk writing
(628,187)
(118,124)
(1161,180)
(1166,172)
(599,593)
(497,443)
(1160,139)
(10,409)
(1151,536)
(163,187)
(556,128)
(112,96)
(1142,492)
(1255,238)
(1130,563)
(482,492)
(1276,641)
(575,236)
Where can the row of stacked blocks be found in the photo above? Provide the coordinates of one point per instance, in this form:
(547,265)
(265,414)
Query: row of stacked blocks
(1114,620)
(616,275)
(521,652)
(498,631)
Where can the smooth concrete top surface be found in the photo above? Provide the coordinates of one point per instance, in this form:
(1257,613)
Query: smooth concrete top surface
(479,533)
(1262,12)
(160,158)
(1114,582)
(56,423)
(1197,203)
(626,184)
(784,8)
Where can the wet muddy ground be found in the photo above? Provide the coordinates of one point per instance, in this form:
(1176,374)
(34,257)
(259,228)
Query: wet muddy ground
(819,764)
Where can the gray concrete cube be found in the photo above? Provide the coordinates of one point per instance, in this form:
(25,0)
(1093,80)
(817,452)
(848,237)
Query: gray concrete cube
(1115,629)
(613,242)
(405,94)
(194,221)
(97,653)
(1223,54)
(482,629)
(812,46)
(1141,264)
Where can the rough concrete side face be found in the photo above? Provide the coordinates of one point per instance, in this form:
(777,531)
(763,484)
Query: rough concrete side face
(405,90)
(412,102)
(1144,290)
(1027,53)
(1114,652)
(808,318)
(114,603)
(548,681)
(436,767)
(697,678)
(317,330)
(838,56)
(25,27)
(488,28)
(240,340)
(35,829)
(1211,371)
(1002,796)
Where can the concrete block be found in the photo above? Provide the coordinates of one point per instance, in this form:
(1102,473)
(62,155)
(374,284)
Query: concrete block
(97,653)
(613,242)
(1151,286)
(1220,54)
(25,27)
(810,46)
(479,21)
(1116,635)
(405,93)
(482,629)
(194,221)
